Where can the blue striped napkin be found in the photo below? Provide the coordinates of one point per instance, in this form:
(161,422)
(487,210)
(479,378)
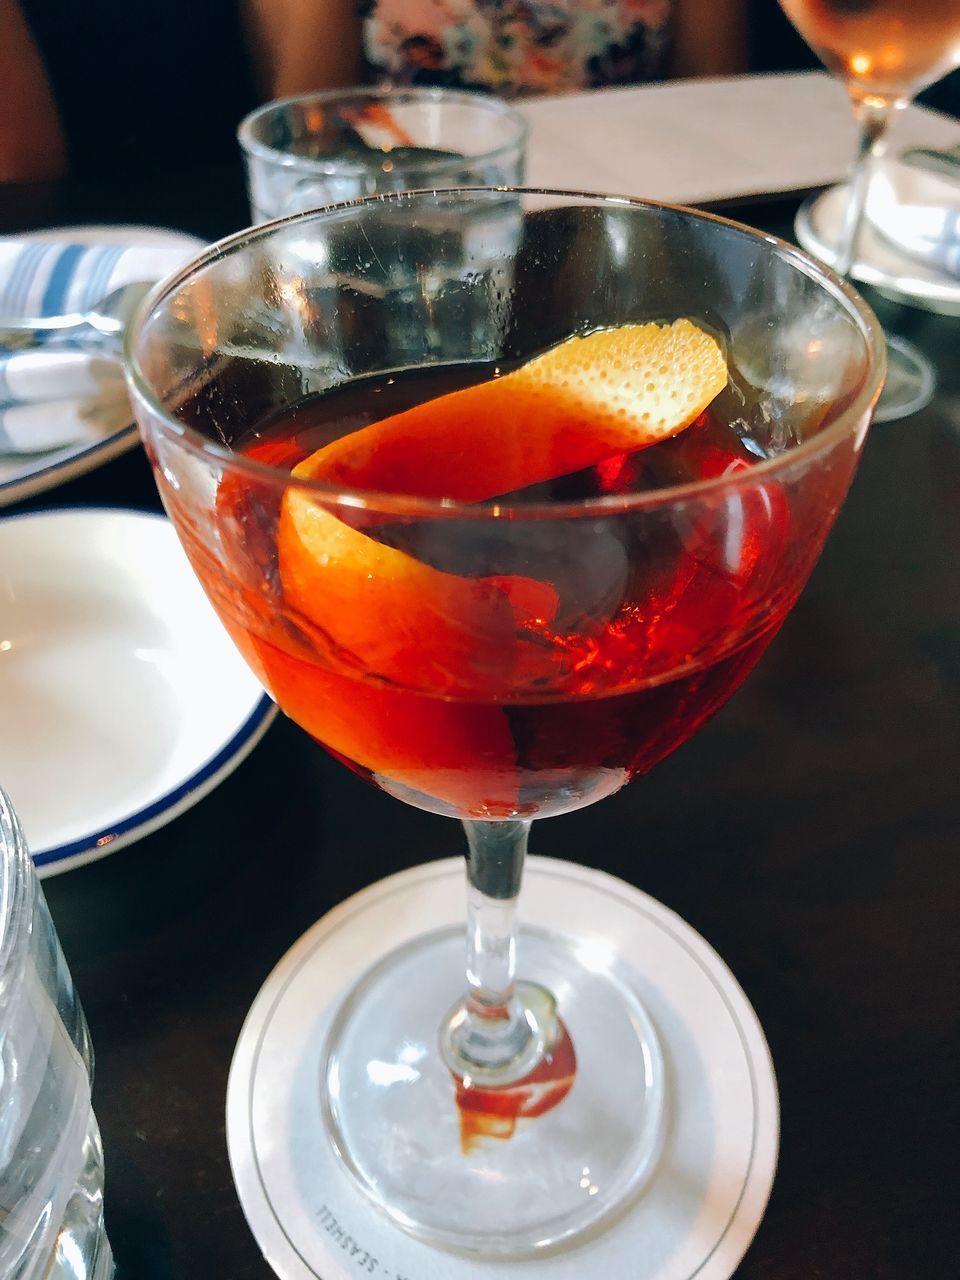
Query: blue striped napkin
(68,388)
(918,212)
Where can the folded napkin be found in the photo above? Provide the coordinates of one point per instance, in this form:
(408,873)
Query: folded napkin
(918,212)
(66,388)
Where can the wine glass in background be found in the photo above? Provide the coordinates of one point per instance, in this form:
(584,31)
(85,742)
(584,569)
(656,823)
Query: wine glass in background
(885,52)
(495,610)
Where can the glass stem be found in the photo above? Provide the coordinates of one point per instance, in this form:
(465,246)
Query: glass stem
(873,116)
(499,1031)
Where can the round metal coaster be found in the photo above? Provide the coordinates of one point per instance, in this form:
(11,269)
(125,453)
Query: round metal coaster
(696,1212)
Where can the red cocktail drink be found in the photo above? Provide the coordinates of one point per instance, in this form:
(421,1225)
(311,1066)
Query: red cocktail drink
(502,494)
(574,669)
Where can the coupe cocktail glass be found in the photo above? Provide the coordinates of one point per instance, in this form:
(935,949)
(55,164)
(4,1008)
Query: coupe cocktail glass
(489,650)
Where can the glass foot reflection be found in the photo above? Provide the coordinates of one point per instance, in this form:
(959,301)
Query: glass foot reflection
(507,1171)
(910,382)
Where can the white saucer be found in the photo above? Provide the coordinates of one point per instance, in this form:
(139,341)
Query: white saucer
(879,262)
(702,1205)
(23,477)
(123,699)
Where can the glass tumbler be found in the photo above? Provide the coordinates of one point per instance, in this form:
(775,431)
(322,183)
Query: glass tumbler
(51,1161)
(322,148)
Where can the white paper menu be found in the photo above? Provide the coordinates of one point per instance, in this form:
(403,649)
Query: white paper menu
(689,141)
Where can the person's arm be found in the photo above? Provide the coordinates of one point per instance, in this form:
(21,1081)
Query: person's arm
(710,38)
(31,141)
(299,45)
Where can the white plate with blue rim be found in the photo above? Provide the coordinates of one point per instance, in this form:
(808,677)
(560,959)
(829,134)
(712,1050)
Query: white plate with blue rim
(25,475)
(124,701)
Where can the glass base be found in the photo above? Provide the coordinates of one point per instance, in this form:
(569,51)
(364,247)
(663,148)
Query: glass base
(910,381)
(506,1172)
(82,1250)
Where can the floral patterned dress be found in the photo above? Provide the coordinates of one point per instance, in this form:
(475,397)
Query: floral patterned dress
(516,47)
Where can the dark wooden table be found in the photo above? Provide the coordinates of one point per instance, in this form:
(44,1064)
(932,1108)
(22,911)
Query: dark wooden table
(810,832)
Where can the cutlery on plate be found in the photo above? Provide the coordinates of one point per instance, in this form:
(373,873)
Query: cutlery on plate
(110,316)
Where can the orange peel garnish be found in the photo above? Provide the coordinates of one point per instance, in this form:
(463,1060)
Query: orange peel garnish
(587,399)
(389,615)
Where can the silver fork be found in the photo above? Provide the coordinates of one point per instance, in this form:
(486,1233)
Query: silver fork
(110,316)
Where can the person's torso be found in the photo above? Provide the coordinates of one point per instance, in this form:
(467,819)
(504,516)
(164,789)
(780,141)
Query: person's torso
(516,47)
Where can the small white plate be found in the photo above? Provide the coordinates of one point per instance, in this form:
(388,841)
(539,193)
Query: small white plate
(701,1206)
(22,477)
(123,699)
(879,263)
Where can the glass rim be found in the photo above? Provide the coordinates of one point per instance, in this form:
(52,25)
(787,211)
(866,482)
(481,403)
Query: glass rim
(401,504)
(252,146)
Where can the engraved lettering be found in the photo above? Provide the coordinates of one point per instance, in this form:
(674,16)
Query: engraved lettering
(336,1231)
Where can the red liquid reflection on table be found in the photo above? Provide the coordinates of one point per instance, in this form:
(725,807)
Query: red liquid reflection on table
(495,1113)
